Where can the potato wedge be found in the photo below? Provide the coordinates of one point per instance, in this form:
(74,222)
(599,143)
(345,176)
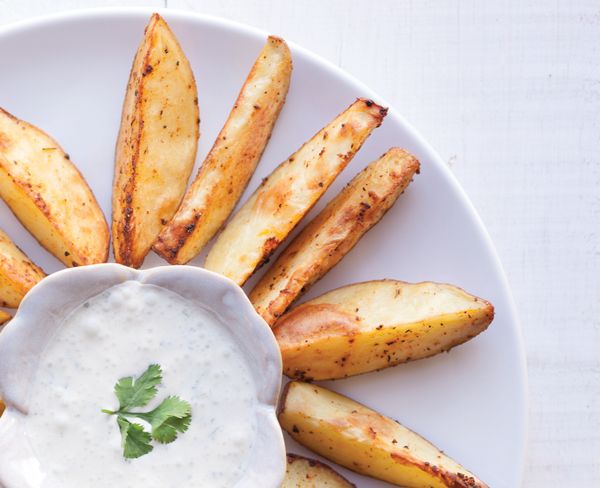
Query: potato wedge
(374,325)
(334,232)
(290,191)
(225,173)
(48,194)
(157,143)
(364,441)
(302,472)
(17,273)
(4,317)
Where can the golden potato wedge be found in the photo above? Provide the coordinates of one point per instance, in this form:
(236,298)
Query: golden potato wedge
(2,407)
(365,441)
(225,173)
(334,232)
(4,317)
(302,472)
(290,191)
(49,195)
(157,143)
(377,324)
(17,273)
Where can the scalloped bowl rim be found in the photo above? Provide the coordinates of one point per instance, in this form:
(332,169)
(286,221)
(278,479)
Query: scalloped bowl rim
(48,303)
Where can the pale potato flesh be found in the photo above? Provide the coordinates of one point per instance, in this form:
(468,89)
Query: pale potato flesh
(290,191)
(377,324)
(49,195)
(157,143)
(225,173)
(302,472)
(18,274)
(367,442)
(334,232)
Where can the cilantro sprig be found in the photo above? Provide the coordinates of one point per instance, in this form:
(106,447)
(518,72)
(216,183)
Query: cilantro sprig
(171,417)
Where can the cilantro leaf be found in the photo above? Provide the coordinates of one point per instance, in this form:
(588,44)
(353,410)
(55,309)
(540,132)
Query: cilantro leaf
(166,432)
(138,392)
(135,440)
(171,417)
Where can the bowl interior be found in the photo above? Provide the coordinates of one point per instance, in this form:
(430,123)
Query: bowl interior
(52,300)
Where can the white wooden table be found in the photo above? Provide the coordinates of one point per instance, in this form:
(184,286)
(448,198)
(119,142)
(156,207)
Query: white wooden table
(509,94)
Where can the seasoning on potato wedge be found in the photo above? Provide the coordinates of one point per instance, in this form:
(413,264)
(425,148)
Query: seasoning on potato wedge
(302,472)
(225,173)
(289,192)
(4,317)
(49,195)
(157,143)
(334,232)
(17,273)
(377,324)
(365,441)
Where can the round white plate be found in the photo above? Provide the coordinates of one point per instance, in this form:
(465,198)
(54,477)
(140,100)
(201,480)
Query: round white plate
(67,74)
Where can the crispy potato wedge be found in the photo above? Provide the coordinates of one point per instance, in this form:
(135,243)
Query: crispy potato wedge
(17,273)
(334,232)
(225,173)
(365,441)
(157,143)
(4,317)
(289,192)
(302,472)
(2,407)
(48,194)
(374,325)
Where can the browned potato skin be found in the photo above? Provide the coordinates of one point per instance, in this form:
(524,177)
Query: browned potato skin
(365,441)
(157,143)
(360,328)
(290,191)
(49,195)
(17,274)
(309,473)
(334,232)
(225,173)
(4,317)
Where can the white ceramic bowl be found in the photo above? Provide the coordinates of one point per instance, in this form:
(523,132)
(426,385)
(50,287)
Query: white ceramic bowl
(48,303)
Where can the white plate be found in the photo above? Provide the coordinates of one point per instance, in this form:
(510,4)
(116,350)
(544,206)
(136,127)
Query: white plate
(67,74)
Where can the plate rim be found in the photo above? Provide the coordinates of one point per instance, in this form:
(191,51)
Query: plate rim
(47,20)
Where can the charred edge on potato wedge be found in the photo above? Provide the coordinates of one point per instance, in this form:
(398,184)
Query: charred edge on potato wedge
(290,191)
(303,472)
(334,232)
(227,169)
(157,143)
(377,324)
(18,274)
(360,439)
(49,195)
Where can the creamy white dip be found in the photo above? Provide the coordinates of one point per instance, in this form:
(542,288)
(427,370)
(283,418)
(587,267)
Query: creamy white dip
(120,333)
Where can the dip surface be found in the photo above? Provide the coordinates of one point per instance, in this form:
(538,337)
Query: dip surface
(119,333)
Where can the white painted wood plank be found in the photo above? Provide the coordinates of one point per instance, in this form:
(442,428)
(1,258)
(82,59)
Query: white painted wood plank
(509,94)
